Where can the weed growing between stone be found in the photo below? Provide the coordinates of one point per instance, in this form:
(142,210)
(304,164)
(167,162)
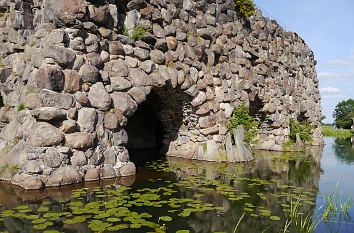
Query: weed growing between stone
(138,32)
(20,107)
(302,128)
(240,116)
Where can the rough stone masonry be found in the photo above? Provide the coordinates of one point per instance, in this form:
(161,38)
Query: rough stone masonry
(70,82)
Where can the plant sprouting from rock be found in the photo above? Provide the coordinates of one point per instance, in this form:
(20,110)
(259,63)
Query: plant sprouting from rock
(240,116)
(245,8)
(303,128)
(138,32)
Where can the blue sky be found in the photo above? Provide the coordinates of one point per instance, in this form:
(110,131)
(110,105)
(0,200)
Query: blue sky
(327,28)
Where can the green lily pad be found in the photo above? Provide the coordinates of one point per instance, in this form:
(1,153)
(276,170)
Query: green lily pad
(275,218)
(166,218)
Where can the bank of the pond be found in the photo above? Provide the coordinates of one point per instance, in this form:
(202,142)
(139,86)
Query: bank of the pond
(329,131)
(189,196)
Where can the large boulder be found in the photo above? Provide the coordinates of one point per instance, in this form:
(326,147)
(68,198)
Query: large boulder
(100,15)
(17,156)
(64,175)
(73,81)
(128,169)
(62,12)
(99,97)
(87,119)
(48,113)
(43,134)
(31,182)
(52,158)
(62,56)
(50,77)
(123,102)
(49,98)
(78,158)
(80,140)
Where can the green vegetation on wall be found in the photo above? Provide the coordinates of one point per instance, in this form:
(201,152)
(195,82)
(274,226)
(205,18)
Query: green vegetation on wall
(138,32)
(240,116)
(302,128)
(344,114)
(245,8)
(2,13)
(20,107)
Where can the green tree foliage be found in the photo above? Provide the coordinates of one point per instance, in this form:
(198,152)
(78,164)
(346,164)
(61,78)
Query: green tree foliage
(240,116)
(245,7)
(344,113)
(303,128)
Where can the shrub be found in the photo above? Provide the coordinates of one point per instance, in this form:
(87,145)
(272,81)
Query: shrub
(302,128)
(245,8)
(240,116)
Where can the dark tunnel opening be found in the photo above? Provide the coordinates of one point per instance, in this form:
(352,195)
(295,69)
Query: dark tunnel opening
(146,132)
(156,123)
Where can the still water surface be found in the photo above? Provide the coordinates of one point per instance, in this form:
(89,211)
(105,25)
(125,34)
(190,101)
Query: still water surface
(175,194)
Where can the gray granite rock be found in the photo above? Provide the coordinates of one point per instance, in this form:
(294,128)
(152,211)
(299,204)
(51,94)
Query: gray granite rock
(80,140)
(64,175)
(99,97)
(124,103)
(87,119)
(43,134)
(49,98)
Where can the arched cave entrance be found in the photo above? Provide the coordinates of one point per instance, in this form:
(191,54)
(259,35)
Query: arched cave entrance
(156,123)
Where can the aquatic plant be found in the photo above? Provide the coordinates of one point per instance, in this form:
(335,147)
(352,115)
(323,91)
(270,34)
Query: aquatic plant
(333,210)
(153,207)
(238,223)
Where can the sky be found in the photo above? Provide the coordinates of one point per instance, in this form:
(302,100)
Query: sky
(327,28)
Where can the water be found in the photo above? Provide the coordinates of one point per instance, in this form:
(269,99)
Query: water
(196,196)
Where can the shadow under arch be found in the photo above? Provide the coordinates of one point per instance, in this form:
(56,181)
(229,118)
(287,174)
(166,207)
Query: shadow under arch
(159,120)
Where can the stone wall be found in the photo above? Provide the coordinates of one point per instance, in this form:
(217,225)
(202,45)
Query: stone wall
(70,81)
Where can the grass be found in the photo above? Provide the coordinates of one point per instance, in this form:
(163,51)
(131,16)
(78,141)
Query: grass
(333,210)
(239,222)
(329,131)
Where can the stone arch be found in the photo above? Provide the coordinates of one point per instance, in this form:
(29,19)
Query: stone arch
(81,80)
(158,121)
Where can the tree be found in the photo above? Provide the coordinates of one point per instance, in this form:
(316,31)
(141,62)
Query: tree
(344,113)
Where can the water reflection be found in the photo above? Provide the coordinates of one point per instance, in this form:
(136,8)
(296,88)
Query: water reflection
(281,169)
(262,189)
(344,149)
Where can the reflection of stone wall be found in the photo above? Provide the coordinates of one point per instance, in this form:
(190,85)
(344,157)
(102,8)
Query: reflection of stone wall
(298,173)
(79,80)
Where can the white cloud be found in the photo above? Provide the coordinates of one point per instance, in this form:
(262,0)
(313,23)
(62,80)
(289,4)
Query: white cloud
(337,76)
(333,96)
(342,62)
(329,90)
